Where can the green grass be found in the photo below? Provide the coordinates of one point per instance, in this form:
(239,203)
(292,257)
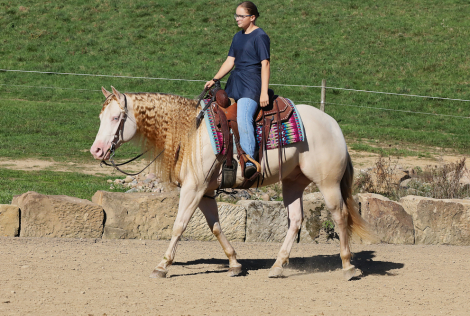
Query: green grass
(409,47)
(15,182)
(62,131)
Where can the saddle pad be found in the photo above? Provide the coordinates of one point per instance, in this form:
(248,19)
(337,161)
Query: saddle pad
(292,131)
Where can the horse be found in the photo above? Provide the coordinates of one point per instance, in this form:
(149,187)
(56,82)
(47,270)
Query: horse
(166,123)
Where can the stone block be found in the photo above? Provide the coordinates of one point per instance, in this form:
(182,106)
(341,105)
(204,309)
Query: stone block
(267,221)
(152,215)
(388,219)
(58,216)
(232,220)
(9,220)
(436,221)
(138,215)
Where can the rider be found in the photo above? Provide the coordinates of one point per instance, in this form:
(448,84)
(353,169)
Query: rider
(248,82)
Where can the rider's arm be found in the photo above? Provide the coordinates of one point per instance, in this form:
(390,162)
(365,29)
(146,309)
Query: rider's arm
(224,69)
(265,74)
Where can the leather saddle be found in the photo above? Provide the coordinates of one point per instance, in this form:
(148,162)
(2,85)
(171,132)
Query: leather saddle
(224,110)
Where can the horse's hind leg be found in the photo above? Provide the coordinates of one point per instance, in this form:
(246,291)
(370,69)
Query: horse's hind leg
(208,207)
(334,202)
(292,190)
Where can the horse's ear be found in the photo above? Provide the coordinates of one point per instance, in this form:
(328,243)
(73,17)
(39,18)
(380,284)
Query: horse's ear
(118,94)
(105,92)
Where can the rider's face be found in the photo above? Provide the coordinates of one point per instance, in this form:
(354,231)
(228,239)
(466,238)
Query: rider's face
(244,22)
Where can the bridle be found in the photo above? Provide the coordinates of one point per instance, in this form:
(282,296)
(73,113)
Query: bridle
(118,140)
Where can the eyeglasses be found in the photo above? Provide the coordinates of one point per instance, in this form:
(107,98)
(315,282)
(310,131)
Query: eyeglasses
(237,16)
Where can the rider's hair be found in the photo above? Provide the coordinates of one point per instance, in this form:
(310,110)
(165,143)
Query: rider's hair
(250,7)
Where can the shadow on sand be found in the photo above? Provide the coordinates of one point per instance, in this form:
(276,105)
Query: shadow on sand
(305,265)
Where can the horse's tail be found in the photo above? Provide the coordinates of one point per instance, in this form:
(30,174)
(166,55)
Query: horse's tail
(356,224)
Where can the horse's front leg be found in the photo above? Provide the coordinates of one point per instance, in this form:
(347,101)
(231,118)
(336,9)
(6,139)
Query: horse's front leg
(208,207)
(189,200)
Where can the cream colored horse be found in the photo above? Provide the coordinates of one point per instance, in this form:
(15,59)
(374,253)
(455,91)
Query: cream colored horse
(167,122)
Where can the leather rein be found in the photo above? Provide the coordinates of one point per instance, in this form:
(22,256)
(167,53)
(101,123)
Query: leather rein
(117,140)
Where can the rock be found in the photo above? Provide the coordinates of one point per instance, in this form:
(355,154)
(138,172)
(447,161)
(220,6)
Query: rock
(243,194)
(128,179)
(412,173)
(267,221)
(9,220)
(388,219)
(265,197)
(109,181)
(405,183)
(58,216)
(232,220)
(436,221)
(315,214)
(151,176)
(151,216)
(138,215)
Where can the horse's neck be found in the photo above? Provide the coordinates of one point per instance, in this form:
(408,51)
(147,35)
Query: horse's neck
(161,117)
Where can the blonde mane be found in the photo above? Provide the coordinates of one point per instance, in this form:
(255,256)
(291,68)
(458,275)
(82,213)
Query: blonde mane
(167,122)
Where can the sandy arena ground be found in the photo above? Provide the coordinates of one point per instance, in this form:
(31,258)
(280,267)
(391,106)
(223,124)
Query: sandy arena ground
(42,276)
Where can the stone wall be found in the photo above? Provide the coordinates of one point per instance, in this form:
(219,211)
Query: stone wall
(412,220)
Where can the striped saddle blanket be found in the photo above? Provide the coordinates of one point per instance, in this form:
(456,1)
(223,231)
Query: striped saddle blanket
(292,131)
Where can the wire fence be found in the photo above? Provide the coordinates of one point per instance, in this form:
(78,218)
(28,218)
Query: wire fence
(271,84)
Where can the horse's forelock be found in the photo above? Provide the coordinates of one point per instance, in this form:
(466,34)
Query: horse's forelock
(108,100)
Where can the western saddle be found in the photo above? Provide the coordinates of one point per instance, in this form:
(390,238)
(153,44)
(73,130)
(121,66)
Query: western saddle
(224,111)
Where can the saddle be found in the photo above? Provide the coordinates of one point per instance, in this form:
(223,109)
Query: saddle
(224,110)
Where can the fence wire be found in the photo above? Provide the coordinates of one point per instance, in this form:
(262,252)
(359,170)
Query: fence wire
(285,85)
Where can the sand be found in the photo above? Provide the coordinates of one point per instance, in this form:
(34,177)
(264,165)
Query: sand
(44,276)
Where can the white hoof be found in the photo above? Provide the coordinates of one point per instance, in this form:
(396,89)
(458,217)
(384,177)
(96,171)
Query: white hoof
(275,272)
(234,271)
(349,273)
(159,274)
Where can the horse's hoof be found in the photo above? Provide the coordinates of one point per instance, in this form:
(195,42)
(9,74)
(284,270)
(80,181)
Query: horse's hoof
(235,271)
(349,273)
(159,274)
(276,272)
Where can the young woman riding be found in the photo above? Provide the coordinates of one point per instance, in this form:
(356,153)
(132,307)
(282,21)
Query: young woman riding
(248,82)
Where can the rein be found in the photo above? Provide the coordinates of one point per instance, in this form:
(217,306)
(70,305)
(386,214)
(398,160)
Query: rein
(118,136)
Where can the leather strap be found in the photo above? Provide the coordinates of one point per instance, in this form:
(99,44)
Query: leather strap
(226,134)
(279,140)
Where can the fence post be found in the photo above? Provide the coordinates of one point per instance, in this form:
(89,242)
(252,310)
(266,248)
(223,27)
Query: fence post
(323,93)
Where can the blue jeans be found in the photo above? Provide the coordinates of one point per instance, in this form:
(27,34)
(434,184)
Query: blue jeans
(246,109)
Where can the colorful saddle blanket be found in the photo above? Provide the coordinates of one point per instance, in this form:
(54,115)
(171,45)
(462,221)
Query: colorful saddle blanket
(292,131)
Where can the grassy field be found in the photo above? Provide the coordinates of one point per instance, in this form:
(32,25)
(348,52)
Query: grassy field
(405,47)
(15,182)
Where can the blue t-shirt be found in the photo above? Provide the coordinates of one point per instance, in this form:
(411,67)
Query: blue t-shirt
(249,51)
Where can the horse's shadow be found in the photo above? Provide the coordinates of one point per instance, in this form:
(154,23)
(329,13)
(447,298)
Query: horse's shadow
(305,265)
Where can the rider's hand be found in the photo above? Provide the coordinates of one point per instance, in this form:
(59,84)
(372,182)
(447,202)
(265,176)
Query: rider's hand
(209,84)
(264,99)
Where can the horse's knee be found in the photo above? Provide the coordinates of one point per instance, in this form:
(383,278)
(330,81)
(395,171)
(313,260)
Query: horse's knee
(178,229)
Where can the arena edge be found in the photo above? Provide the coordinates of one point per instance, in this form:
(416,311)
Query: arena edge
(412,220)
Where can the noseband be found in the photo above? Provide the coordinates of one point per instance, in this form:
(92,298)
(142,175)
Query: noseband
(117,140)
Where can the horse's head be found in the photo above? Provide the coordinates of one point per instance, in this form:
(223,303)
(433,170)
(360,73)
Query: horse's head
(117,124)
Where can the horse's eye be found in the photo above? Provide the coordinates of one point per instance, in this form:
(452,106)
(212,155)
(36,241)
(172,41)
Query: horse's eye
(115,118)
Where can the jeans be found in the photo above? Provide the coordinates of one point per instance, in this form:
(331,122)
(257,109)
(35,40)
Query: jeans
(246,109)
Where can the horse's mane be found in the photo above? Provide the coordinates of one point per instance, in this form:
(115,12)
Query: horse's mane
(167,122)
